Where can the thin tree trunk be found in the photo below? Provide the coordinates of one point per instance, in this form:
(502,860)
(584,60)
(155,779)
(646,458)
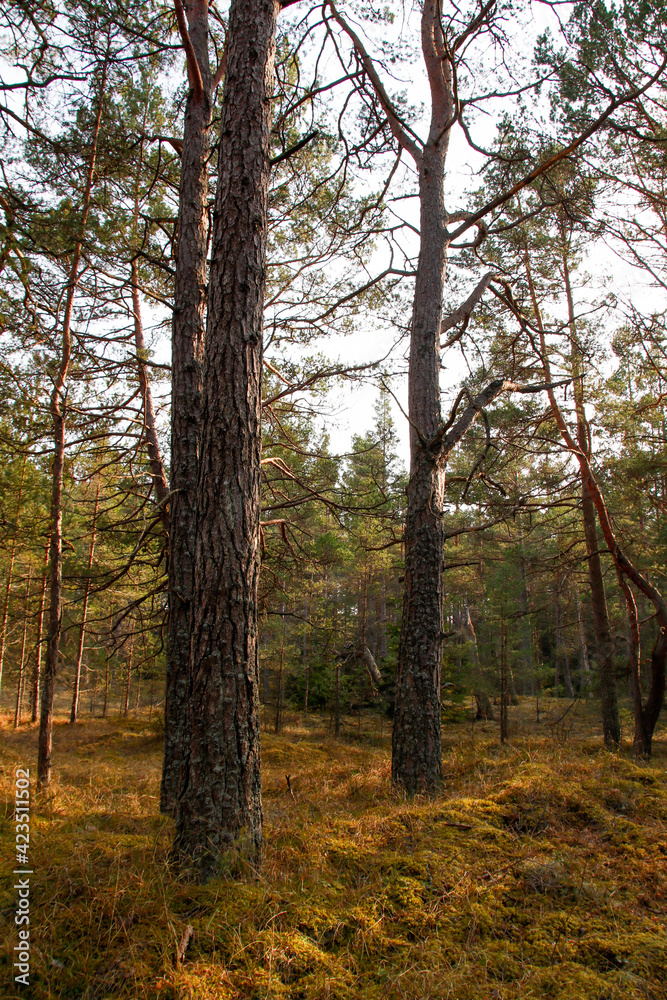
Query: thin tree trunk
(188,337)
(221,791)
(337,698)
(279,692)
(584,665)
(643,735)
(382,623)
(126,706)
(20,685)
(611,725)
(37,669)
(59,416)
(306,653)
(605,647)
(624,566)
(10,572)
(504,727)
(107,661)
(567,677)
(84,613)
(557,670)
(160,484)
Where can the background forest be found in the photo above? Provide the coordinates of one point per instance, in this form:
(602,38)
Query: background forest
(93,100)
(458,216)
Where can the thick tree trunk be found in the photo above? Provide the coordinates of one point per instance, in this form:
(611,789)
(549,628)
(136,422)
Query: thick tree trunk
(84,613)
(188,335)
(416,741)
(221,792)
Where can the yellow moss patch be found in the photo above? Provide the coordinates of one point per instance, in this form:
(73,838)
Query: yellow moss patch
(540,871)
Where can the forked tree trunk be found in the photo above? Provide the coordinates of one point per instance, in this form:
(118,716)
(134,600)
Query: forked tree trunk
(221,793)
(84,613)
(188,335)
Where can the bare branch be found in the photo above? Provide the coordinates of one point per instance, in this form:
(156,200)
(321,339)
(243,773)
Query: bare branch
(194,72)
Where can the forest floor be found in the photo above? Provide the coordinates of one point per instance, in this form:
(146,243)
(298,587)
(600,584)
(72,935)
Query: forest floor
(540,871)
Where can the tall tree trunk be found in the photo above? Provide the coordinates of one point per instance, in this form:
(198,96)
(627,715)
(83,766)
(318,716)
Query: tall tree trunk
(37,669)
(416,741)
(605,646)
(10,573)
(59,416)
(221,791)
(611,725)
(84,613)
(625,568)
(188,336)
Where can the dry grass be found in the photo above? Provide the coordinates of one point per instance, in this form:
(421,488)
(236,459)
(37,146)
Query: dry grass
(541,871)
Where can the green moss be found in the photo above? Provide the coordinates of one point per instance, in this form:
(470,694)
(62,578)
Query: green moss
(539,872)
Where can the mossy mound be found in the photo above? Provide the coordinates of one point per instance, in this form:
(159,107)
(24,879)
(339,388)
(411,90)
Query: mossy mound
(540,870)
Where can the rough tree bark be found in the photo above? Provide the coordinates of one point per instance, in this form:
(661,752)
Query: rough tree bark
(188,335)
(416,740)
(220,794)
(416,745)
